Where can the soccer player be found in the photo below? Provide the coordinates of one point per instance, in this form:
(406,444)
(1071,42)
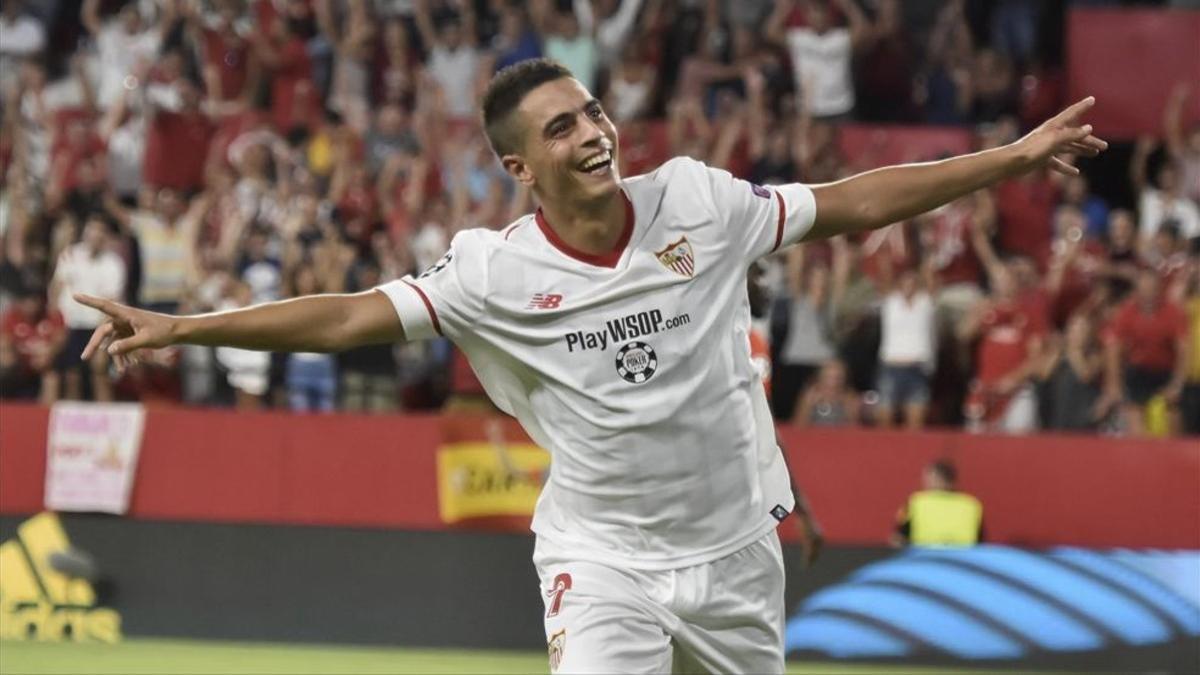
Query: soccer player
(612,323)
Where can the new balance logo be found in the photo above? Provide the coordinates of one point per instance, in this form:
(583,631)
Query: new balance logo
(40,602)
(544,301)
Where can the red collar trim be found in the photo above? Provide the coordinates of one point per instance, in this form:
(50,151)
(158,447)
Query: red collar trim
(609,259)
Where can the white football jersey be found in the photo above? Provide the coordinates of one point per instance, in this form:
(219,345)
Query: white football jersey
(633,368)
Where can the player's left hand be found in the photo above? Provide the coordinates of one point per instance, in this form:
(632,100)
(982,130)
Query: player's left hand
(812,539)
(1060,138)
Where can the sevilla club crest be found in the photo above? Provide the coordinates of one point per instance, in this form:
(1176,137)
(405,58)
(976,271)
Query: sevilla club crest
(678,257)
(558,643)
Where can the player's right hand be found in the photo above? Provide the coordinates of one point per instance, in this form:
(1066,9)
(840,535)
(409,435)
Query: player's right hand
(126,330)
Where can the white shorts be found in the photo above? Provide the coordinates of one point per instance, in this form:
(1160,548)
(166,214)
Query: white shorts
(724,616)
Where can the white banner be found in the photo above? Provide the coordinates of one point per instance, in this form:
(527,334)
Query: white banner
(92,454)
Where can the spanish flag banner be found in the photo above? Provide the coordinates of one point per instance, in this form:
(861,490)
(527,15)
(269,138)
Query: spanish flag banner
(487,468)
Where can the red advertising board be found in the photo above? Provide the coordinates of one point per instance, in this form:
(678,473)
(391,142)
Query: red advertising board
(1130,59)
(380,471)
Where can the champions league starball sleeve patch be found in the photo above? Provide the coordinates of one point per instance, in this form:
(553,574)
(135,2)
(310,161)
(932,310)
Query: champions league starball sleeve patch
(438,266)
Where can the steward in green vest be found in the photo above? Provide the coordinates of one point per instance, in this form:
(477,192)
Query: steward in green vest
(939,515)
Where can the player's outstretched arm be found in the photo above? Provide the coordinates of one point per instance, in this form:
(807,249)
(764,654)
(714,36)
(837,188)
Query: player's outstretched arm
(315,323)
(878,198)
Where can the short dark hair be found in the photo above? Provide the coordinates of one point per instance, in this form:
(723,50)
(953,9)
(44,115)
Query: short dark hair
(945,469)
(505,93)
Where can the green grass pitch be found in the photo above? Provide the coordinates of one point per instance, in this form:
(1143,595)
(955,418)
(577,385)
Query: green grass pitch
(138,656)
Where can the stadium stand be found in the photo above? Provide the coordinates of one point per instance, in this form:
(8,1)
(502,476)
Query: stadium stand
(225,152)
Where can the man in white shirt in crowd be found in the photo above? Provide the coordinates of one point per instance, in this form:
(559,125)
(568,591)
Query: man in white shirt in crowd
(122,44)
(1166,199)
(615,21)
(89,266)
(821,53)
(455,59)
(612,323)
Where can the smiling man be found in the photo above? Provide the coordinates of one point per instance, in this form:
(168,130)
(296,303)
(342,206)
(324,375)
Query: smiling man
(613,324)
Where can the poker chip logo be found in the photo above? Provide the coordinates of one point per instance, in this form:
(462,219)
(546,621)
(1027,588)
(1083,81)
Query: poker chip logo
(636,362)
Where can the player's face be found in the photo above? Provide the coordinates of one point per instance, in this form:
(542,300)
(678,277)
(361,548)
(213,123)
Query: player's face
(570,145)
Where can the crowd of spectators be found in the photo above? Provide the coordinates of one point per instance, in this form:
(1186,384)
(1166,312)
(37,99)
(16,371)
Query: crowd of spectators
(198,155)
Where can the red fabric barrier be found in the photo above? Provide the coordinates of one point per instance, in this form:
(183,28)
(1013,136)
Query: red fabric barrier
(1129,60)
(22,457)
(345,470)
